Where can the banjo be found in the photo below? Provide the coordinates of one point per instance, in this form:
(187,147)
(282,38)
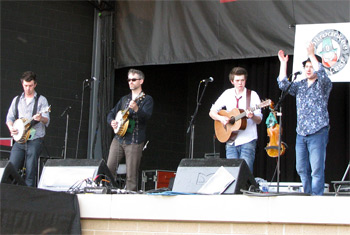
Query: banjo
(23,126)
(122,118)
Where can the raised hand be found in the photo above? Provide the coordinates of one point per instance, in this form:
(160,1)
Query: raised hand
(282,57)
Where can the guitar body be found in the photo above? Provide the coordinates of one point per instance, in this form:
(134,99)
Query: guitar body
(238,121)
(225,132)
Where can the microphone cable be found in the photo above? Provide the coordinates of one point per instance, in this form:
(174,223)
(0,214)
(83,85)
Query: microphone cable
(80,119)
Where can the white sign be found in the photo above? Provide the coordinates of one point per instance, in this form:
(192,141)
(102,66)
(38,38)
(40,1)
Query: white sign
(331,44)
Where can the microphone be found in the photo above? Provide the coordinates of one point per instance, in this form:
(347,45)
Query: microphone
(208,80)
(298,73)
(66,110)
(91,79)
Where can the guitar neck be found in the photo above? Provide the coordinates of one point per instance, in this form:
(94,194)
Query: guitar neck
(243,114)
(28,121)
(140,96)
(32,118)
(240,116)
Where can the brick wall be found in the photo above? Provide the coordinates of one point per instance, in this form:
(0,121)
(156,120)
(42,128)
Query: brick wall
(124,227)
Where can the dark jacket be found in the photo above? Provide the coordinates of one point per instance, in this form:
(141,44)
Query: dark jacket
(138,134)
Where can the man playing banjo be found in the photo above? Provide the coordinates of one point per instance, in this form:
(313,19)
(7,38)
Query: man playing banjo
(128,144)
(29,138)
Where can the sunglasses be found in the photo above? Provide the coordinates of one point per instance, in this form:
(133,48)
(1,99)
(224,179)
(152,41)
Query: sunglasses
(133,79)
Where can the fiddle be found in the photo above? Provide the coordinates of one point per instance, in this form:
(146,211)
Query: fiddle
(273,132)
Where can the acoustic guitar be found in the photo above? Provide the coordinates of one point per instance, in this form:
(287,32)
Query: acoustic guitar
(24,125)
(238,121)
(122,118)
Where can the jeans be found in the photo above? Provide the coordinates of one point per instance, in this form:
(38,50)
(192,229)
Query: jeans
(26,156)
(244,151)
(310,160)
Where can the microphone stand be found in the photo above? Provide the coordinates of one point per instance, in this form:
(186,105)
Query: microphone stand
(191,126)
(279,114)
(86,83)
(66,111)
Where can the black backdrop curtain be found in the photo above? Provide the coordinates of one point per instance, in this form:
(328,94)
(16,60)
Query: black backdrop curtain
(106,83)
(174,89)
(171,40)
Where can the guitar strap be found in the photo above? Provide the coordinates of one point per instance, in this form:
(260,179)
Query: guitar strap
(16,110)
(132,122)
(248,98)
(124,102)
(35,108)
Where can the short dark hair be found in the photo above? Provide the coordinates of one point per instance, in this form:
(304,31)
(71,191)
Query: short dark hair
(238,71)
(138,72)
(319,59)
(28,76)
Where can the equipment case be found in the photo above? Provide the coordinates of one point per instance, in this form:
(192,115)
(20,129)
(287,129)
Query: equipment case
(156,179)
(286,187)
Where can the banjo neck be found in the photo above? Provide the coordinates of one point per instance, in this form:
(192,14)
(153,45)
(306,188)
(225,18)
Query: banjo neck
(27,121)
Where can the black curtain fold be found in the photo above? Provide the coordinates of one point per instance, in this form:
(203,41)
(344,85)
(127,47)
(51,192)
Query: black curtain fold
(170,32)
(106,82)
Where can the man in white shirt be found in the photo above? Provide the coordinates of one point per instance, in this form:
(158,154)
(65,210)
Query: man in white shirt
(241,144)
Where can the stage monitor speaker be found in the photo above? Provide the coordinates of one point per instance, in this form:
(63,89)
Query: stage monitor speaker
(73,174)
(9,175)
(192,174)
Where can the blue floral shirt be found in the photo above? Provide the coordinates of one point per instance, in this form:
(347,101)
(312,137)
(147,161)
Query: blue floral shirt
(311,102)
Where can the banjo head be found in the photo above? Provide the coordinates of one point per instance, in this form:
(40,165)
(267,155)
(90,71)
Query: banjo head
(19,125)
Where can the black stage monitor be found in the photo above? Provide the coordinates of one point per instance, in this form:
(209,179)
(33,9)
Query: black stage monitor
(63,174)
(9,175)
(192,174)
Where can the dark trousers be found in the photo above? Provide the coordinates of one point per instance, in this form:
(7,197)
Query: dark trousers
(26,156)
